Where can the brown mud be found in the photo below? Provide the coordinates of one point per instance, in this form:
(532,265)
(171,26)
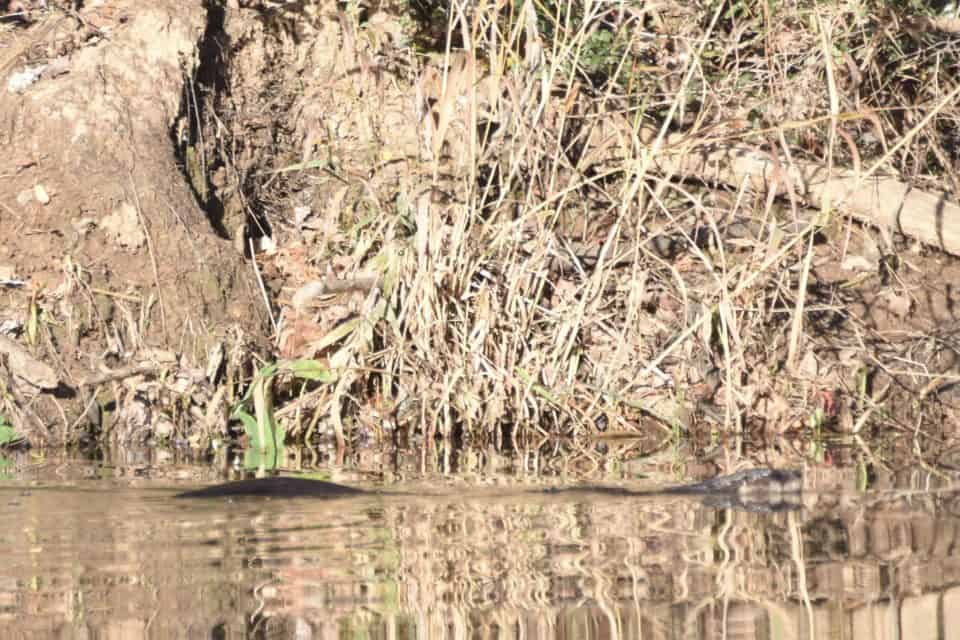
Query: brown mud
(108,261)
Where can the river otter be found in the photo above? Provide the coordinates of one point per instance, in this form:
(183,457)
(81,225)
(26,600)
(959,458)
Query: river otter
(753,489)
(276,487)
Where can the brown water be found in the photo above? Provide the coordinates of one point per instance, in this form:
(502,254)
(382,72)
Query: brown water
(104,558)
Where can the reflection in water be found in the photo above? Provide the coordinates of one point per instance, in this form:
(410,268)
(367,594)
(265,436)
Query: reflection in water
(132,563)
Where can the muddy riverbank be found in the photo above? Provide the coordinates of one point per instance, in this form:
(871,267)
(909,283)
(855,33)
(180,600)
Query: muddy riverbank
(256,221)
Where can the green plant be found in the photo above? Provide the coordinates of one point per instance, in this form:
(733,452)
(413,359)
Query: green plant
(261,426)
(8,434)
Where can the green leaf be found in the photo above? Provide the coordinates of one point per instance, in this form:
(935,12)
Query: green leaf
(249,422)
(8,434)
(258,459)
(310,370)
(272,440)
(266,373)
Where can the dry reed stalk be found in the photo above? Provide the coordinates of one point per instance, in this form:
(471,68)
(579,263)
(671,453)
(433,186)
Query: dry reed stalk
(538,292)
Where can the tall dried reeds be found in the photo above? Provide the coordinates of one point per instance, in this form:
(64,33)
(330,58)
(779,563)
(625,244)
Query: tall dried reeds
(610,225)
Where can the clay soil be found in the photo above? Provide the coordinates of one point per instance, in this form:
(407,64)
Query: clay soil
(108,263)
(190,190)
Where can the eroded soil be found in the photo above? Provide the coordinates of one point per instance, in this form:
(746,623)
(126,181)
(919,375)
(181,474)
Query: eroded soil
(107,260)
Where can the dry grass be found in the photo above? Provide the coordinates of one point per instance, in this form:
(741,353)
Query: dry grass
(557,260)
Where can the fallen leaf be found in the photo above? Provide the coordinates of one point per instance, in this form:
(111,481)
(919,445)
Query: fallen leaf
(27,368)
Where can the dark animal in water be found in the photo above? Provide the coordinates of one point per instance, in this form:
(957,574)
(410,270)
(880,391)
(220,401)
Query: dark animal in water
(277,487)
(754,489)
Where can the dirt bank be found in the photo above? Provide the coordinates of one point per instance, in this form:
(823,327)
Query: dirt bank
(107,260)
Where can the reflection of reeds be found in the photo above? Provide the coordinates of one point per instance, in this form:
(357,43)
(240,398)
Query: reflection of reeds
(486,561)
(577,568)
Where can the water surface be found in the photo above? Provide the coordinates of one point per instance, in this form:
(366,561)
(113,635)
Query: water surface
(109,558)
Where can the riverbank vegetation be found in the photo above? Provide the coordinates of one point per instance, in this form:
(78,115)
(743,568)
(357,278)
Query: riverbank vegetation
(618,221)
(497,221)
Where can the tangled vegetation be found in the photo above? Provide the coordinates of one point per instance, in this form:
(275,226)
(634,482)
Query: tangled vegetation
(502,220)
(568,253)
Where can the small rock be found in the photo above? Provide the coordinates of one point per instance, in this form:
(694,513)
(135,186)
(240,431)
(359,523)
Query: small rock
(18,82)
(123,225)
(41,195)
